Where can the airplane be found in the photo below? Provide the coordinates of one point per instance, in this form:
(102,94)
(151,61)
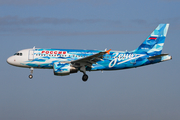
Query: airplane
(67,61)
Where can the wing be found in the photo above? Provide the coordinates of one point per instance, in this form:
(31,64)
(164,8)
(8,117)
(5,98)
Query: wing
(88,61)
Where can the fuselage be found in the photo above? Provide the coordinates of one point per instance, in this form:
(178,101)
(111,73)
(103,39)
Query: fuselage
(45,58)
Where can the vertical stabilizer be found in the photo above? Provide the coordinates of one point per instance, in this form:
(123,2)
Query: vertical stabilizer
(153,45)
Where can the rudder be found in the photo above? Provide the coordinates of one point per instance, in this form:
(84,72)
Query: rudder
(153,45)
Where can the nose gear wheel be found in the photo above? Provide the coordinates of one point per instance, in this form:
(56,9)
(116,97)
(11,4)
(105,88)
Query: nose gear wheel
(30,76)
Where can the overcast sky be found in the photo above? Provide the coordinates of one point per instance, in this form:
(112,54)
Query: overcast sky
(144,93)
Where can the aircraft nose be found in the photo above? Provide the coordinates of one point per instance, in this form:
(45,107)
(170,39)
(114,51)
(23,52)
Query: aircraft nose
(10,60)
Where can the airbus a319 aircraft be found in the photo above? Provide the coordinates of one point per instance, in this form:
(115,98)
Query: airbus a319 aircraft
(67,61)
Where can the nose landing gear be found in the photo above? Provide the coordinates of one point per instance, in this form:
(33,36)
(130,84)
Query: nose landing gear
(31,76)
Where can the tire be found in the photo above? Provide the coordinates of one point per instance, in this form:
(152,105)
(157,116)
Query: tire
(85,77)
(30,76)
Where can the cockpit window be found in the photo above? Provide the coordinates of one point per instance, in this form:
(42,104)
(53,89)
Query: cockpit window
(18,54)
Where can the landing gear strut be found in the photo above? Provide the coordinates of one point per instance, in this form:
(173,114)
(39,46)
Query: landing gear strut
(85,77)
(31,76)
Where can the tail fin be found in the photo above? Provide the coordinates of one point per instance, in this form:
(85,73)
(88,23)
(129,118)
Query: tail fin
(153,45)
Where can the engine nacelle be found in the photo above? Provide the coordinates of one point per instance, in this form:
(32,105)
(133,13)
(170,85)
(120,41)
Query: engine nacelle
(62,69)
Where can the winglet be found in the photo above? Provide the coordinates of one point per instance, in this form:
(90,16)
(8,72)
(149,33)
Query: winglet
(108,51)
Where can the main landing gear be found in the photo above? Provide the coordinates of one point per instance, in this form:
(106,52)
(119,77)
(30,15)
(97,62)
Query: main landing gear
(85,76)
(31,76)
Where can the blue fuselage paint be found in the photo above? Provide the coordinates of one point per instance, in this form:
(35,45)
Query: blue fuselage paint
(45,58)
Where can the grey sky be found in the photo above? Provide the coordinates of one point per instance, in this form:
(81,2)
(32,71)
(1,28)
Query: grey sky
(145,93)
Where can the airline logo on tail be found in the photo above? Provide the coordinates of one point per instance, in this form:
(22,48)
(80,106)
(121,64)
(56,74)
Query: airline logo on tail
(153,45)
(152,38)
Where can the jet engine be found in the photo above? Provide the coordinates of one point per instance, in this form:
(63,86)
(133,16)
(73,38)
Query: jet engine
(62,69)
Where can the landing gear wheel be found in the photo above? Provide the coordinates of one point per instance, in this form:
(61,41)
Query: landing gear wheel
(84,77)
(30,76)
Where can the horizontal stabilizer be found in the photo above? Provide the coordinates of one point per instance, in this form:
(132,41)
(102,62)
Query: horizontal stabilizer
(161,57)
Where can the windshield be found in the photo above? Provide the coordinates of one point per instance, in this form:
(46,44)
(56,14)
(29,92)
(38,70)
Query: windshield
(18,54)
